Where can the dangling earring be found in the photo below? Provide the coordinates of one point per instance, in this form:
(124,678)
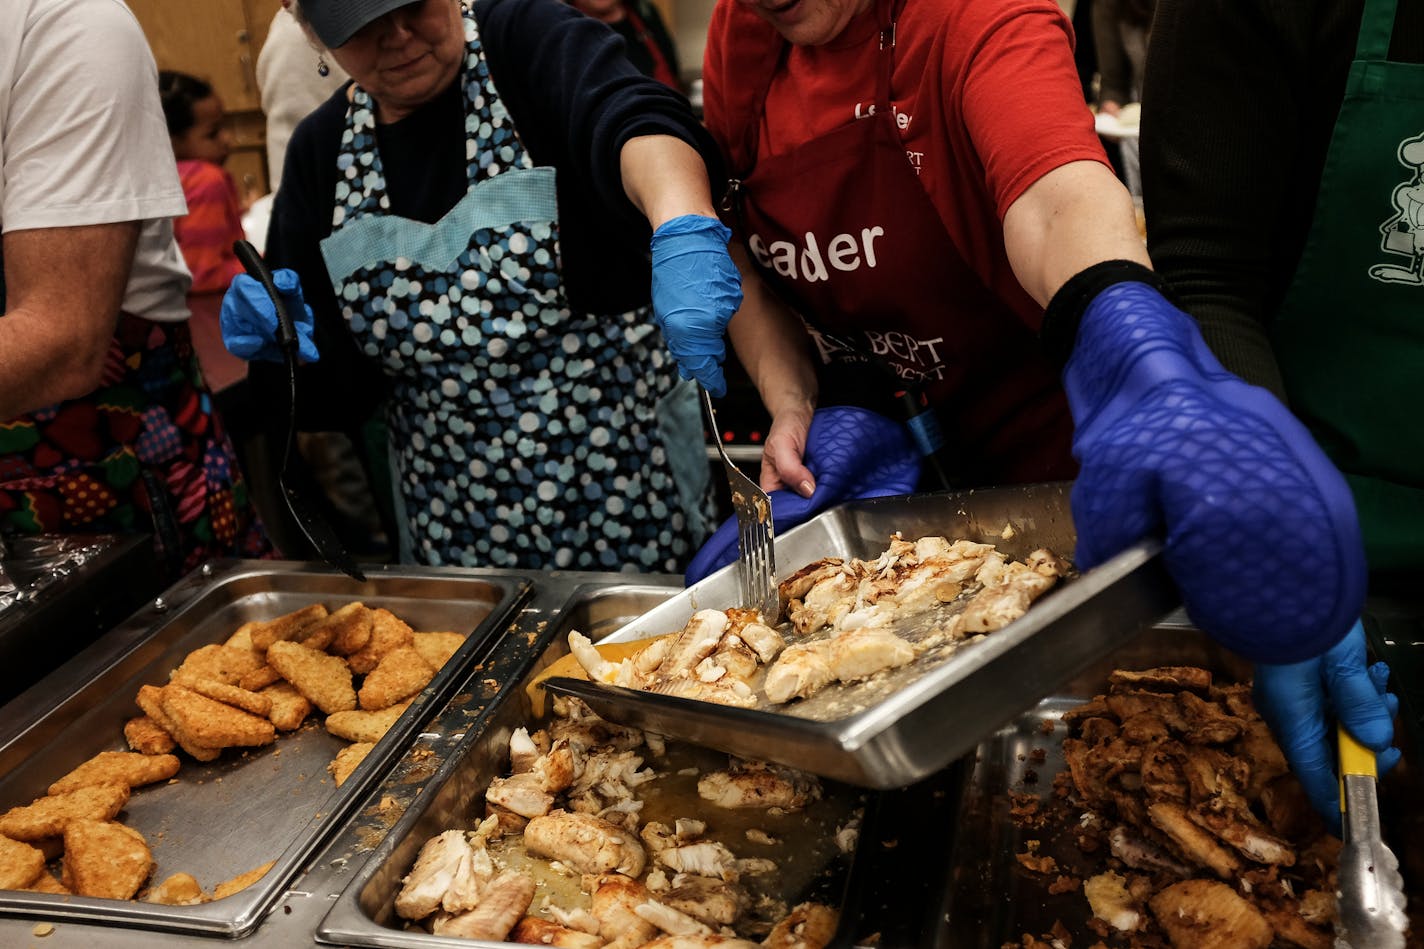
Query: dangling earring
(322,69)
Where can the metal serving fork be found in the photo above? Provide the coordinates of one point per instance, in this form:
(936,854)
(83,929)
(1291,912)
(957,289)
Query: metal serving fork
(756,568)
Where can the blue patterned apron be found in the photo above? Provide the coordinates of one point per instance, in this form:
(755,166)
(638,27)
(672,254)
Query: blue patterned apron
(522,434)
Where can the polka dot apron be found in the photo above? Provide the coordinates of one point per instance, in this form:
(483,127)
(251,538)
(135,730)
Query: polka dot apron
(523,434)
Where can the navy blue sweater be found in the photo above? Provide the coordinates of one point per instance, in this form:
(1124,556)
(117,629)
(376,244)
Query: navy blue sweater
(575,100)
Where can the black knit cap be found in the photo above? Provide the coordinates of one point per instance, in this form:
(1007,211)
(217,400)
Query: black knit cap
(336,21)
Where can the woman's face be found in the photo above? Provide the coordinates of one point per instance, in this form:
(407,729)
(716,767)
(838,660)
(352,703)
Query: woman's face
(406,57)
(209,139)
(808,22)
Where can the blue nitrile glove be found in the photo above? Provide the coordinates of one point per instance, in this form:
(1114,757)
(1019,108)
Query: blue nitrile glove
(696,289)
(853,453)
(249,321)
(1302,701)
(1260,530)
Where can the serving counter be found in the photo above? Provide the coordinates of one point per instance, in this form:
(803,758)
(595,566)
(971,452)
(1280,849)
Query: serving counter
(934,864)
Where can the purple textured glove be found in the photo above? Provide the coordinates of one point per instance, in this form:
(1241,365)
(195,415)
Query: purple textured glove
(1260,529)
(853,453)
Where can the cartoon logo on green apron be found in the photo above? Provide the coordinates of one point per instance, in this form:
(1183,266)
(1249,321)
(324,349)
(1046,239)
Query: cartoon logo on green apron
(1404,232)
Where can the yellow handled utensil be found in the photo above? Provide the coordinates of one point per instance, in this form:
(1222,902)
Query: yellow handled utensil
(1370,898)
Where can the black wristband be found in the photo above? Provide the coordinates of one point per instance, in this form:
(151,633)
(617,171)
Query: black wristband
(1065,311)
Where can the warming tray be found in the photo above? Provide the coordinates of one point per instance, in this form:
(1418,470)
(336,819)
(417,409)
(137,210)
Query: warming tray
(989,900)
(908,723)
(454,796)
(221,819)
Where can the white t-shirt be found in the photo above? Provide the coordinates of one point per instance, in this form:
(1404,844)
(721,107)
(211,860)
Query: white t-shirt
(83,139)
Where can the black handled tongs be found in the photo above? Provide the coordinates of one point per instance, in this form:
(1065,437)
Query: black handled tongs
(313,525)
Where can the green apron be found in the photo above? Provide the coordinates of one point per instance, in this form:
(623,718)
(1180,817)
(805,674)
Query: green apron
(1350,334)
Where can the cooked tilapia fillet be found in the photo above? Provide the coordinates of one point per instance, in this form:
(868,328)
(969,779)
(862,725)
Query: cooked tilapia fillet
(801,671)
(700,941)
(533,931)
(670,920)
(503,902)
(445,876)
(1204,914)
(861,653)
(584,842)
(759,785)
(615,900)
(807,926)
(712,900)
(523,794)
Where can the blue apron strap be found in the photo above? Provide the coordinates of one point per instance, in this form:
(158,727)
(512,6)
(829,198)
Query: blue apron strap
(1376,28)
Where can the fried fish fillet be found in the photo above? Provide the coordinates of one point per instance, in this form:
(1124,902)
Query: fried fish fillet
(289,626)
(351,628)
(259,680)
(178,890)
(212,724)
(242,638)
(400,674)
(364,726)
(388,632)
(47,882)
(347,759)
(289,707)
(242,881)
(324,680)
(150,699)
(118,767)
(236,696)
(147,737)
(20,864)
(105,858)
(437,648)
(49,816)
(217,662)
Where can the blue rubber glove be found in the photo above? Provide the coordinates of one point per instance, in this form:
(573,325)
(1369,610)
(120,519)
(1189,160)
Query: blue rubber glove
(1260,530)
(853,453)
(249,321)
(1302,701)
(696,289)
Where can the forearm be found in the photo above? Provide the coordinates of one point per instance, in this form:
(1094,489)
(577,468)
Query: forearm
(665,178)
(63,289)
(1073,217)
(772,345)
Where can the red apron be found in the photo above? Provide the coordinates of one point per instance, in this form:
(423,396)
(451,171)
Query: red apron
(842,229)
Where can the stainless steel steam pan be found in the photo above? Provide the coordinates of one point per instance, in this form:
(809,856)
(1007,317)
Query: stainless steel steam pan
(364,914)
(905,724)
(221,819)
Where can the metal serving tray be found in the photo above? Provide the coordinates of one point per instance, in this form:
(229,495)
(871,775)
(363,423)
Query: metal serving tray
(221,819)
(364,914)
(989,900)
(906,724)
